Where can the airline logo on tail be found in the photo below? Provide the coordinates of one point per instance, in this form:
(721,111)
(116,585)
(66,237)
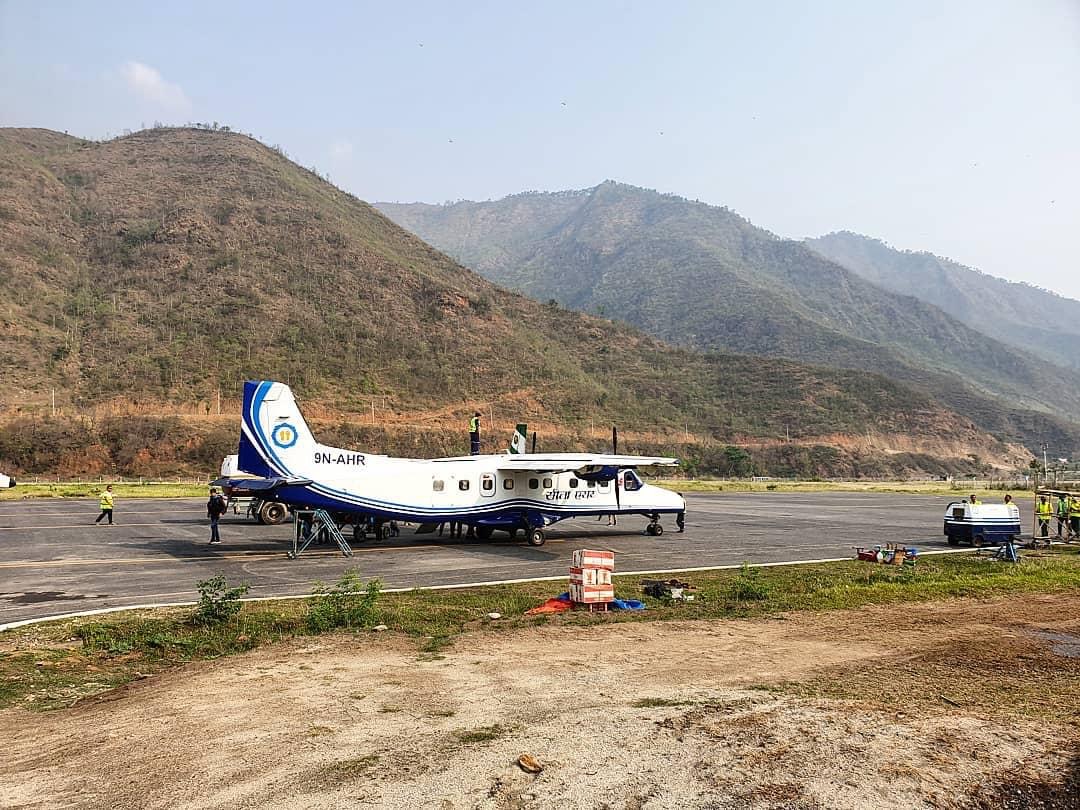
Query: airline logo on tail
(284,435)
(518,444)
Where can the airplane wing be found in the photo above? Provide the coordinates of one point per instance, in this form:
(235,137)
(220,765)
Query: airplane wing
(242,486)
(564,462)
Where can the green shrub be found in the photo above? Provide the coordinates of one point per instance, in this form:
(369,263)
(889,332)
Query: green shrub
(748,586)
(217,602)
(348,603)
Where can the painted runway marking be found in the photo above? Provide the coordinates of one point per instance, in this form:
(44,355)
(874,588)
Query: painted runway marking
(75,526)
(242,555)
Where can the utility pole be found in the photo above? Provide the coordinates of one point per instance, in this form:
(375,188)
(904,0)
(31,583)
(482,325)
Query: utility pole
(1044,448)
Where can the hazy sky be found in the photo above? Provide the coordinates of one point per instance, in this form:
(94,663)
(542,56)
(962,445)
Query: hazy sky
(946,126)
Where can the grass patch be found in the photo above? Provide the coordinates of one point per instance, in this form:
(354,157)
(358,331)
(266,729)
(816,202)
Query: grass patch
(345,770)
(948,489)
(482,734)
(659,703)
(93,490)
(55,664)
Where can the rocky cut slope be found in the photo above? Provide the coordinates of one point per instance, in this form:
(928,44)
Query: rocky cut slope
(169,265)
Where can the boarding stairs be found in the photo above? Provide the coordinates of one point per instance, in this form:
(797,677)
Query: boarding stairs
(312,524)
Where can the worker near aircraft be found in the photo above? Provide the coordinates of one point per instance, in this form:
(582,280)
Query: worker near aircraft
(474,434)
(106,503)
(1043,513)
(1062,516)
(974,501)
(1074,515)
(215,508)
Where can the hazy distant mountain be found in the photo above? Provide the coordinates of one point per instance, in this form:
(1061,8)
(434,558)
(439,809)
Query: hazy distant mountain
(1042,322)
(703,276)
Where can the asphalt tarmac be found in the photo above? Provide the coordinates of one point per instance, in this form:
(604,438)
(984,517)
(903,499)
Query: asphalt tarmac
(55,560)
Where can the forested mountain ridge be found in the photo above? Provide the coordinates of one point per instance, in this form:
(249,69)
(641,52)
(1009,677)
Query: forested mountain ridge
(705,277)
(1037,320)
(168,265)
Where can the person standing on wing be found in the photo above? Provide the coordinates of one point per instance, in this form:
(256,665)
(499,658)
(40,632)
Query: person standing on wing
(106,503)
(215,508)
(474,434)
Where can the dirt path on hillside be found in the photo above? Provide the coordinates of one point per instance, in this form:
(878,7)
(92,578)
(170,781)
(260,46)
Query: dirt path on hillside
(915,706)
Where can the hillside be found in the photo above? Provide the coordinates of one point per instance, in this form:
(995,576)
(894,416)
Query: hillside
(151,272)
(1039,321)
(703,277)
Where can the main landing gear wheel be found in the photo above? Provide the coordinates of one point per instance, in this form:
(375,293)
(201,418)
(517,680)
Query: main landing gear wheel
(655,529)
(272,513)
(484,532)
(536,537)
(977,540)
(359,533)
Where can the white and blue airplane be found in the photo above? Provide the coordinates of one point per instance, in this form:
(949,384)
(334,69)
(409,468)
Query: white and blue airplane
(513,491)
(6,482)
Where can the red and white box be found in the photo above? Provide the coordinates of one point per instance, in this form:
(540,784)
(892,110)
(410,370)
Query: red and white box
(591,594)
(584,558)
(590,576)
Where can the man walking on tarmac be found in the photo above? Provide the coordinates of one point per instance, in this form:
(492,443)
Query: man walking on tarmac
(474,434)
(106,503)
(215,508)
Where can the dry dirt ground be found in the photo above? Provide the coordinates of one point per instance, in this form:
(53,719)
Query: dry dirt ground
(950,704)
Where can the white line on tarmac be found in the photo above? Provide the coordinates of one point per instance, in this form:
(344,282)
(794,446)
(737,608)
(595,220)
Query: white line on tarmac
(562,577)
(74,526)
(93,513)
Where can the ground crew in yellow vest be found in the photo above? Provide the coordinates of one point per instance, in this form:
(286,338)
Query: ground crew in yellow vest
(106,503)
(474,434)
(1074,515)
(1062,515)
(1043,512)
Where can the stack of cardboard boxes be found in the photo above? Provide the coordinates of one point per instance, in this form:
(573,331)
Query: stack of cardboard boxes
(590,577)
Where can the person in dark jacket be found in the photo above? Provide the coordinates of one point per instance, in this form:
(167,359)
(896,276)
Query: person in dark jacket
(215,508)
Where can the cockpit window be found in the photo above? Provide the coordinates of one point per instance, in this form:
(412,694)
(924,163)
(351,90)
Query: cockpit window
(631,483)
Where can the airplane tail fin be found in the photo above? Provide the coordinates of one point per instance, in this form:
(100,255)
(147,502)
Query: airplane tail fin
(518,443)
(274,438)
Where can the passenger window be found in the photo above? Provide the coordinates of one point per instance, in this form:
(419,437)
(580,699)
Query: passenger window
(463,484)
(547,483)
(437,485)
(573,483)
(508,483)
(534,483)
(592,485)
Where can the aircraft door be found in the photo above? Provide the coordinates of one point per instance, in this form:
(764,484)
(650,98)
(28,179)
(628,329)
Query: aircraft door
(487,484)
